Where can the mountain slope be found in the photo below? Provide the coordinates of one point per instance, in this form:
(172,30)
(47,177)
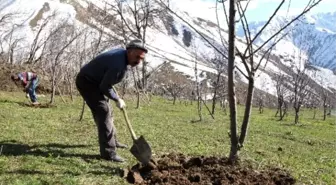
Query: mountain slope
(170,40)
(314,34)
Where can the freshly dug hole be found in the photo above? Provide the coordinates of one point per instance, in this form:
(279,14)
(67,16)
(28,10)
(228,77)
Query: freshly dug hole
(178,169)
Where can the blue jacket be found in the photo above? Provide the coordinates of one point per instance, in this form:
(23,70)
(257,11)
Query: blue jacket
(106,70)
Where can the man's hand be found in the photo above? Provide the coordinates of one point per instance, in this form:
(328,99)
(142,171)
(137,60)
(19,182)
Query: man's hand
(120,103)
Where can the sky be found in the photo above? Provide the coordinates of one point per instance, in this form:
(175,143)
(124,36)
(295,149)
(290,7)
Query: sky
(258,10)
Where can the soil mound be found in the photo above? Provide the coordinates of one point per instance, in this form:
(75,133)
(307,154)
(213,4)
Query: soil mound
(178,169)
(41,105)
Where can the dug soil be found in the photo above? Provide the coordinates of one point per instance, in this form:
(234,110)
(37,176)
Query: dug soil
(42,105)
(178,169)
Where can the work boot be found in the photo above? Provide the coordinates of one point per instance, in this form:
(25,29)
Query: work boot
(114,158)
(120,145)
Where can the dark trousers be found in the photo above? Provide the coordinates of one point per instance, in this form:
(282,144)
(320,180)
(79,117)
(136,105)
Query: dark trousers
(102,115)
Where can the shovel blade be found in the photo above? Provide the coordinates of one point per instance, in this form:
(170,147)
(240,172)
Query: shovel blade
(141,150)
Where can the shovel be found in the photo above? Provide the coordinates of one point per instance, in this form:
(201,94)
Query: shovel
(140,149)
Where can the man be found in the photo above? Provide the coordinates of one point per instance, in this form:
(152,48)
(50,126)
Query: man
(29,81)
(95,81)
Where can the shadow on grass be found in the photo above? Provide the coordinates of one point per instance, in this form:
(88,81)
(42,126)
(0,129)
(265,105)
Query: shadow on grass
(106,170)
(116,171)
(26,104)
(13,148)
(28,172)
(10,101)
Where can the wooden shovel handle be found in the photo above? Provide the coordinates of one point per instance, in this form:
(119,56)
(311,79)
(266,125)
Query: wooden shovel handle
(129,124)
(126,119)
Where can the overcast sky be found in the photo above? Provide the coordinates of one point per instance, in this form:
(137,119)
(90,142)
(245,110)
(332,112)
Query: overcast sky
(258,10)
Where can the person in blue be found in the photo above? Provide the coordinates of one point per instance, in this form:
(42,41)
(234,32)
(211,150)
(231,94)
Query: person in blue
(94,82)
(29,81)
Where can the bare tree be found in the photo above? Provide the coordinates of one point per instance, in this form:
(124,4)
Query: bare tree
(325,106)
(175,90)
(61,37)
(39,40)
(248,55)
(218,84)
(313,103)
(247,58)
(143,13)
(300,90)
(301,81)
(8,40)
(12,43)
(197,88)
(282,93)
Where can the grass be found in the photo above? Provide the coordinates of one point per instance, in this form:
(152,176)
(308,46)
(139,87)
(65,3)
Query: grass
(50,145)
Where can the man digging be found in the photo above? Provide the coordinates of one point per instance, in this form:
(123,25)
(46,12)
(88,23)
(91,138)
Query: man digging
(29,81)
(95,81)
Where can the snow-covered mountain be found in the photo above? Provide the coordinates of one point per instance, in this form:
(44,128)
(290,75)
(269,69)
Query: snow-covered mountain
(170,40)
(314,34)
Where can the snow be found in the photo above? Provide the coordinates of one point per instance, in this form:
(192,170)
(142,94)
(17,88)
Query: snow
(325,30)
(325,77)
(171,48)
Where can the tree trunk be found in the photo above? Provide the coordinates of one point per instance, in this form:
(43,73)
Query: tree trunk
(324,113)
(144,83)
(198,93)
(280,104)
(280,110)
(208,109)
(324,108)
(137,90)
(297,110)
(53,87)
(214,99)
(199,108)
(82,112)
(261,106)
(247,113)
(283,110)
(314,112)
(71,92)
(231,88)
(174,101)
(214,102)
(60,93)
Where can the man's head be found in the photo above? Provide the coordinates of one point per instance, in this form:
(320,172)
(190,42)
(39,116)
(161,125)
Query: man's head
(14,77)
(136,52)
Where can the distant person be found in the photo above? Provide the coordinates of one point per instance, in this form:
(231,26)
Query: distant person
(95,81)
(29,81)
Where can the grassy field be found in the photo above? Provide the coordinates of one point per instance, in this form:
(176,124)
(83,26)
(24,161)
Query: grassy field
(50,145)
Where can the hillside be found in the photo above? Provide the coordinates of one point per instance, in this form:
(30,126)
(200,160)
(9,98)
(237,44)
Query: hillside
(169,40)
(314,34)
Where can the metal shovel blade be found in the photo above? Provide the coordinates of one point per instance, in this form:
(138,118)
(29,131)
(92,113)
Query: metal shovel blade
(141,150)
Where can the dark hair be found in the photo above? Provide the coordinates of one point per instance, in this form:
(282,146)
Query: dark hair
(13,77)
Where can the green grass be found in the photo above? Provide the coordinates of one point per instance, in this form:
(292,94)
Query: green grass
(50,145)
